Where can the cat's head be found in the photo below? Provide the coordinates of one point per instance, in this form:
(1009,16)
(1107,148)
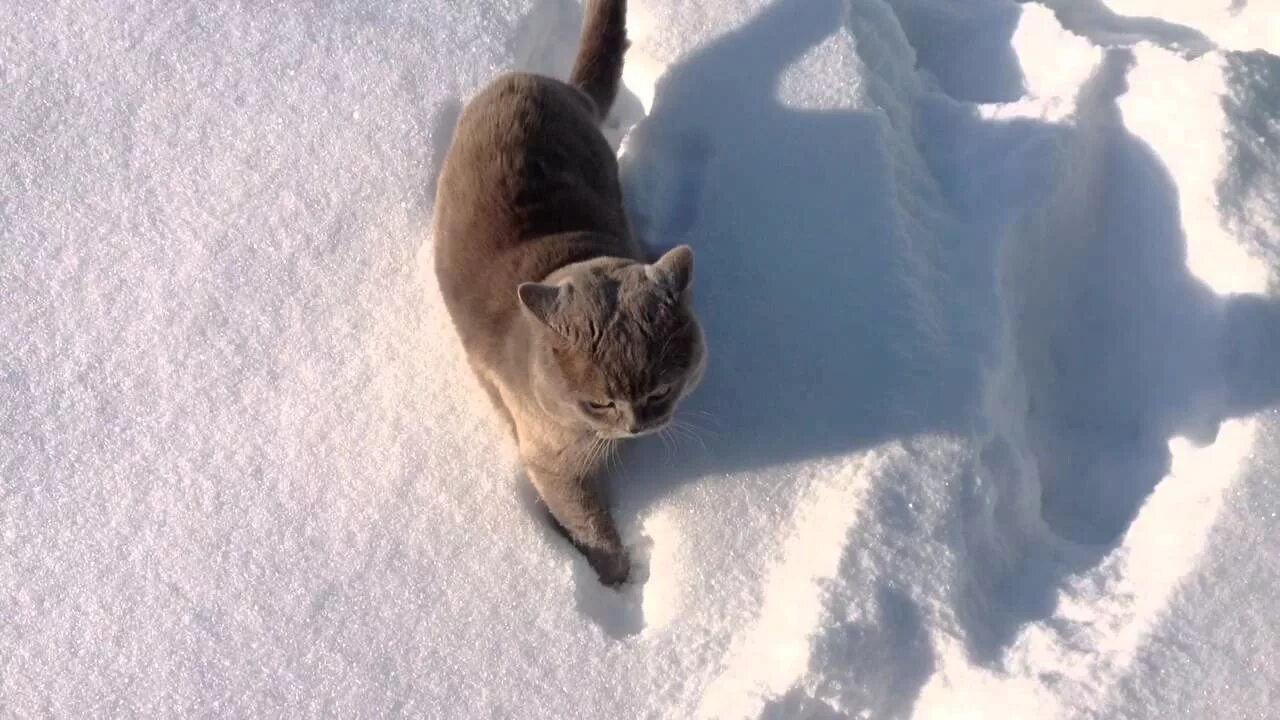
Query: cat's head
(616,344)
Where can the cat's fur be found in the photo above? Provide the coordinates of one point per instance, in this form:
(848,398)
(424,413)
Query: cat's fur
(578,340)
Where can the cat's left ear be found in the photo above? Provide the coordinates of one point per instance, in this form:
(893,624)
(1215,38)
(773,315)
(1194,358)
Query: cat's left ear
(674,269)
(544,302)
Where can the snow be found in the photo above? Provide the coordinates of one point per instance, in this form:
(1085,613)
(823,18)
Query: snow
(990,424)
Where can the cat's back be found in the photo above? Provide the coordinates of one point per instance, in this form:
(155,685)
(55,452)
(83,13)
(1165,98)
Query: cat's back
(527,159)
(527,163)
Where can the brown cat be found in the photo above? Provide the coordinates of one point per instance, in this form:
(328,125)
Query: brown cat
(577,339)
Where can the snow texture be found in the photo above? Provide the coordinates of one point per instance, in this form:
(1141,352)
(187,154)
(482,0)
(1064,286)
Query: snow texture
(990,426)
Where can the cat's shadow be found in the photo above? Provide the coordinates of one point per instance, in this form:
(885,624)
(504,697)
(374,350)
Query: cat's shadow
(809,289)
(841,312)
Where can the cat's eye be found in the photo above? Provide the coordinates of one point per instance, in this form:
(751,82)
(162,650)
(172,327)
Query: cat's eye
(598,406)
(660,394)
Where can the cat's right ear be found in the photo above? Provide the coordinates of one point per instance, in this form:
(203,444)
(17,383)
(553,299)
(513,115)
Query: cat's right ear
(674,269)
(543,302)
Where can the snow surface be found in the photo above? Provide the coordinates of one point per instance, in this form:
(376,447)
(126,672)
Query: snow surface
(990,426)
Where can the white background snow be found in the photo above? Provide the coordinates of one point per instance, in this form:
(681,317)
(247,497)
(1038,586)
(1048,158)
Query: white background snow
(990,427)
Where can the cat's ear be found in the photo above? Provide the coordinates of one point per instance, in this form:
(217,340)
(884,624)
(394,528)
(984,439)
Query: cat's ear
(674,269)
(543,302)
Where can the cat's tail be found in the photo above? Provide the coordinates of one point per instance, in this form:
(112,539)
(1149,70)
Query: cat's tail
(598,68)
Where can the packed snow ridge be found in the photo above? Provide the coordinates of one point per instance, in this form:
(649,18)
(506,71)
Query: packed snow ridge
(989,428)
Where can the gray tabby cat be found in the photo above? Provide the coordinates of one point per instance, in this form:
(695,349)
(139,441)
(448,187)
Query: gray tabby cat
(578,340)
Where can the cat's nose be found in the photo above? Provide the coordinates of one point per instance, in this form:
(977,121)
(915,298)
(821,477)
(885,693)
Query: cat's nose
(632,420)
(641,420)
(640,427)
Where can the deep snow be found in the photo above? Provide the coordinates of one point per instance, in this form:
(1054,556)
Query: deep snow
(990,424)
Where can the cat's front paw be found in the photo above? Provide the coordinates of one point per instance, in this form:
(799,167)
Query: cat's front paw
(612,566)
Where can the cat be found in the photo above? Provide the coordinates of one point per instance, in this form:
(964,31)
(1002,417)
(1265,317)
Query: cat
(579,340)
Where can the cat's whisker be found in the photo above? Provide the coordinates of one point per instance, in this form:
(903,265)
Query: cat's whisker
(702,415)
(696,428)
(600,450)
(613,459)
(677,437)
(674,433)
(591,459)
(679,433)
(606,454)
(583,463)
(691,431)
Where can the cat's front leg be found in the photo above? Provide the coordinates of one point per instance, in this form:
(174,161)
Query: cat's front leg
(573,496)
